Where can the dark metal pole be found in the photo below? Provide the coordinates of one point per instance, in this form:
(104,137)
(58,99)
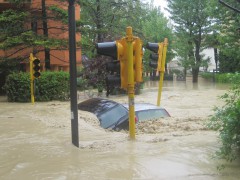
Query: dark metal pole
(73,72)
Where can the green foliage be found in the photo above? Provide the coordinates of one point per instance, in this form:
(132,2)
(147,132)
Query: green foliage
(227,77)
(17,34)
(191,24)
(59,14)
(50,86)
(207,75)
(106,20)
(228,63)
(81,83)
(222,77)
(226,121)
(17,87)
(155,28)
(226,34)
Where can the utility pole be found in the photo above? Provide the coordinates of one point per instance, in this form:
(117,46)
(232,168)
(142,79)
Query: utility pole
(73,72)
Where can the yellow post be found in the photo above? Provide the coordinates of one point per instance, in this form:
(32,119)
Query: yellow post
(129,39)
(162,52)
(31,77)
(160,84)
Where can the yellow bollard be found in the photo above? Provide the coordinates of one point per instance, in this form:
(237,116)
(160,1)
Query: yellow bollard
(129,39)
(31,77)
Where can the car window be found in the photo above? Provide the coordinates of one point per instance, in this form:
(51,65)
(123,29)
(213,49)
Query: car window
(112,116)
(151,114)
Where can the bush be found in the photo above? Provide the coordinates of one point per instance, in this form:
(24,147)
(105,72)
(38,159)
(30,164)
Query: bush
(50,86)
(81,83)
(207,75)
(17,87)
(226,121)
(228,77)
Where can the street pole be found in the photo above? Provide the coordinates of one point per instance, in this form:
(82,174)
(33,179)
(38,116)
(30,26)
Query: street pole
(73,72)
(31,77)
(129,39)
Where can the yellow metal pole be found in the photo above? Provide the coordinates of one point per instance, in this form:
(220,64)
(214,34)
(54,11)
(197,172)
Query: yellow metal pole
(31,77)
(160,84)
(162,69)
(129,39)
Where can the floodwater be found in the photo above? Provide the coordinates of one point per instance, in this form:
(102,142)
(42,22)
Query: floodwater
(35,140)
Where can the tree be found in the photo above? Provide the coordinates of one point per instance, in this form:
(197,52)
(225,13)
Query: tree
(106,20)
(191,25)
(34,31)
(155,28)
(229,35)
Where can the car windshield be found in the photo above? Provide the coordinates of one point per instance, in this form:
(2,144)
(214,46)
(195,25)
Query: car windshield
(112,116)
(151,114)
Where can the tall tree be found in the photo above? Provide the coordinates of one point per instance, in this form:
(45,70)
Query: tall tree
(229,36)
(33,32)
(155,28)
(191,25)
(106,20)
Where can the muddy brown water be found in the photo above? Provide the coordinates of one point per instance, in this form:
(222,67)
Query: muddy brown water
(35,140)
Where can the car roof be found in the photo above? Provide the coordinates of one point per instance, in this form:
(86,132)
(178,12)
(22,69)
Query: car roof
(143,106)
(96,105)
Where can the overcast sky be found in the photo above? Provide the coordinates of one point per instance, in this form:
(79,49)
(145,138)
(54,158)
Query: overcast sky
(161,3)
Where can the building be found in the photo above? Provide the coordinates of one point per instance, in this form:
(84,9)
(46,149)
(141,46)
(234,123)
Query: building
(207,53)
(59,59)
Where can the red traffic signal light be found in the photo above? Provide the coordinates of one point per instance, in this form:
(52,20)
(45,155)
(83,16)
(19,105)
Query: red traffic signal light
(36,68)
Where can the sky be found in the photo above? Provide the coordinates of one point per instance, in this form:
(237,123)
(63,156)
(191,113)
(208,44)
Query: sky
(161,3)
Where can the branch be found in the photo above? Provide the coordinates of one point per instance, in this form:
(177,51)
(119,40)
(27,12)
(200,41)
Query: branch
(227,5)
(59,58)
(18,51)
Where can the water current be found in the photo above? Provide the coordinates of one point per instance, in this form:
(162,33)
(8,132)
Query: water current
(35,140)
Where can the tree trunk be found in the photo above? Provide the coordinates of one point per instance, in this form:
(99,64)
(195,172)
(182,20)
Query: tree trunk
(216,57)
(99,22)
(195,72)
(45,33)
(185,72)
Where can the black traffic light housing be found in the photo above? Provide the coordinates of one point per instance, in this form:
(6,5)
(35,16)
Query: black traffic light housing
(153,60)
(153,47)
(154,56)
(113,78)
(36,68)
(107,49)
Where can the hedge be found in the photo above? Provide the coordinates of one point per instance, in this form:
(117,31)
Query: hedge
(50,86)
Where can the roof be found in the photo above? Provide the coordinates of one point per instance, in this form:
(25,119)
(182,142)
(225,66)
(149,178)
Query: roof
(96,105)
(143,106)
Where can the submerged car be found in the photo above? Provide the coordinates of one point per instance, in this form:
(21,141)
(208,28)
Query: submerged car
(113,115)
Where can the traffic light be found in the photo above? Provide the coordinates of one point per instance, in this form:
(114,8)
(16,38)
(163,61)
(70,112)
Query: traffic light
(156,56)
(118,51)
(36,68)
(107,49)
(113,76)
(117,70)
